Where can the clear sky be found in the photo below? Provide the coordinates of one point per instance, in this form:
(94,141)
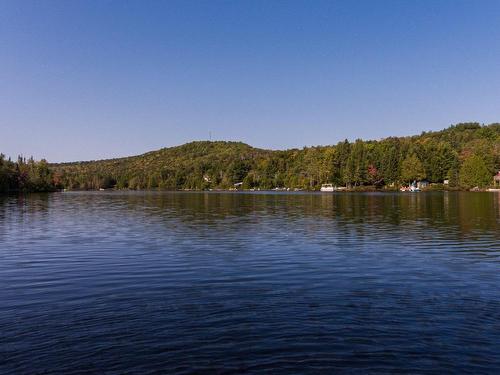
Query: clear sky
(97,79)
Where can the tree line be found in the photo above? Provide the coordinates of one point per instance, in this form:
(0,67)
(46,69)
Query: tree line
(464,155)
(26,175)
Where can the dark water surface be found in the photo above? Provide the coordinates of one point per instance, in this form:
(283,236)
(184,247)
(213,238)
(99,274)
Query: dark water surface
(149,282)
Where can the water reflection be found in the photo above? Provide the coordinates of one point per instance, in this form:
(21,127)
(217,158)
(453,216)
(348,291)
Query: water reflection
(459,211)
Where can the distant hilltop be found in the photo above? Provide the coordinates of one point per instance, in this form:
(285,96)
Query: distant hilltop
(464,155)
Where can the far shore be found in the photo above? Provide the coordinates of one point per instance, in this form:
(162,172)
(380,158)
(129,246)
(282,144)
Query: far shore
(364,189)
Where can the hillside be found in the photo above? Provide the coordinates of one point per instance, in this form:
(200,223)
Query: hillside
(465,154)
(184,166)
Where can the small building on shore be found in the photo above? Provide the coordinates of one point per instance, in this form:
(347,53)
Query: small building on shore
(496,179)
(423,184)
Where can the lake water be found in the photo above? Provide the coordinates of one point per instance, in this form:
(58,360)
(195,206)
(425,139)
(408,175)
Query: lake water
(181,283)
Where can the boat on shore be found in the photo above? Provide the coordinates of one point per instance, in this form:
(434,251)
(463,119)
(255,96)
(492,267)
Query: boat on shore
(412,189)
(327,188)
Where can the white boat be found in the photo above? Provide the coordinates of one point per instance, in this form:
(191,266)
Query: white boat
(327,188)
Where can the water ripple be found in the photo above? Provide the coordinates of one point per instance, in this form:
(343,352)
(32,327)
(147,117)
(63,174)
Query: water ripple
(186,283)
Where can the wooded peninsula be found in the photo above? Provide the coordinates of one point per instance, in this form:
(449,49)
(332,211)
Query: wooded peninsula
(462,156)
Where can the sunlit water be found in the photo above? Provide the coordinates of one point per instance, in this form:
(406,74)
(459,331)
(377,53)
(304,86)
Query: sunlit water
(153,282)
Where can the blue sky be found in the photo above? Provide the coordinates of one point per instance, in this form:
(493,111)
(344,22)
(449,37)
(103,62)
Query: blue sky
(98,79)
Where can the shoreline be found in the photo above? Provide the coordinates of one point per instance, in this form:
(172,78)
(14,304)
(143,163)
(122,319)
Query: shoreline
(282,190)
(482,190)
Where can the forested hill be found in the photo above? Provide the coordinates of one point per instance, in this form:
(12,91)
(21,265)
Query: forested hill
(194,165)
(465,154)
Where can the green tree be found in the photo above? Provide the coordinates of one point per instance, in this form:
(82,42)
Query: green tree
(390,159)
(474,173)
(412,169)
